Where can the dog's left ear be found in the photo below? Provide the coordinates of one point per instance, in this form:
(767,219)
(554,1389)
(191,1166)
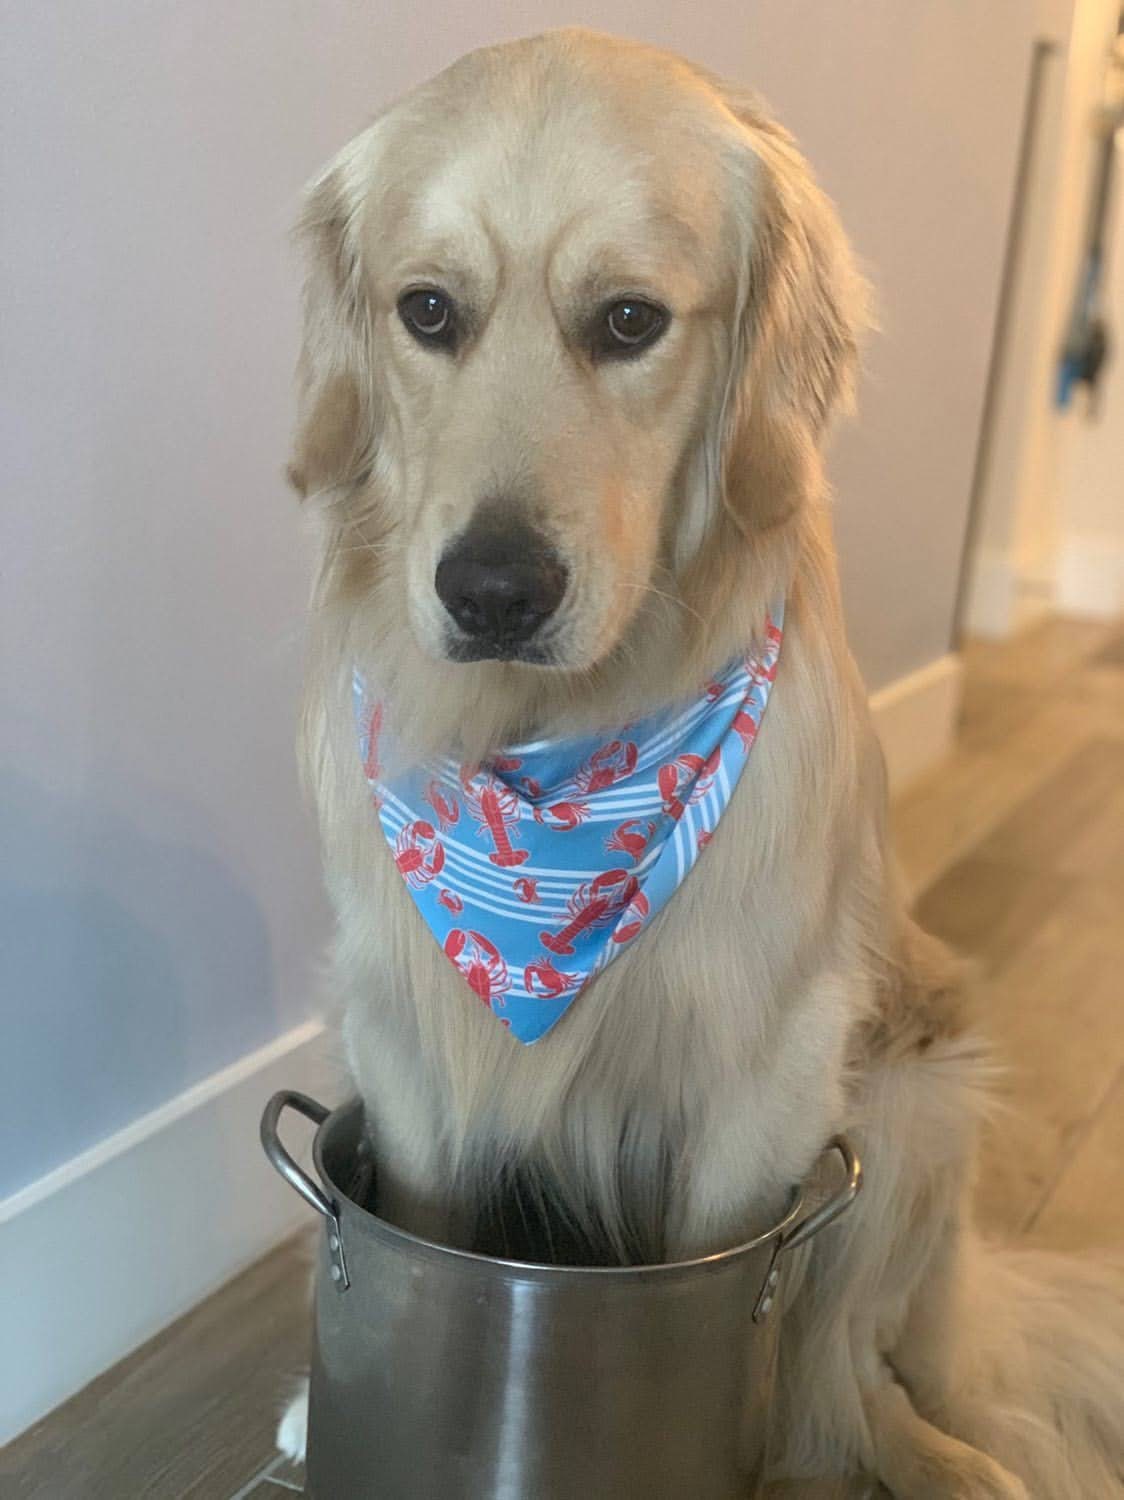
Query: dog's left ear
(336,428)
(800,305)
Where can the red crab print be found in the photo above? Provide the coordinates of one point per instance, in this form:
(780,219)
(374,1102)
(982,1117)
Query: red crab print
(606,766)
(562,816)
(631,837)
(418,854)
(543,980)
(481,963)
(505,763)
(674,777)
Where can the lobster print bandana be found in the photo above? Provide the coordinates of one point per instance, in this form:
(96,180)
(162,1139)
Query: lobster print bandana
(535,869)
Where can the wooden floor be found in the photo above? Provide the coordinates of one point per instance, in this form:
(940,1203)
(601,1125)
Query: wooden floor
(1015,849)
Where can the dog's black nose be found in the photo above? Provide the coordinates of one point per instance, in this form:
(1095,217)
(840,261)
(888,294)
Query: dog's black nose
(500,583)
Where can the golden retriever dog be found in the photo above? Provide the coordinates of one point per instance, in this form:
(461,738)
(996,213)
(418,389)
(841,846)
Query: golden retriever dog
(580,304)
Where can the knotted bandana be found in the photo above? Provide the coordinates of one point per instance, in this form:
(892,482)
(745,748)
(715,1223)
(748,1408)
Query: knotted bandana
(537,868)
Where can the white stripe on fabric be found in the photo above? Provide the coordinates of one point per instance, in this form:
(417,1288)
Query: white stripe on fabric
(485,873)
(449,842)
(474,864)
(680,728)
(648,751)
(468,877)
(554,907)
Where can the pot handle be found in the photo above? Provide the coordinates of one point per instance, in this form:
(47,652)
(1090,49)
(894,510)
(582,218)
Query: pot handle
(811,1224)
(299,1180)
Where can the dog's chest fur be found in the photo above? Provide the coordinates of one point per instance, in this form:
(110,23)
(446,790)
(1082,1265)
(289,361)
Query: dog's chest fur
(692,1082)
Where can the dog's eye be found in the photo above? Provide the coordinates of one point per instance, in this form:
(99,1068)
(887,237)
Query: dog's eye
(628,326)
(428,315)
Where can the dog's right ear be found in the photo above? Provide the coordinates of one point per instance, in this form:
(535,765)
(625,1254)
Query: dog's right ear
(334,442)
(802,305)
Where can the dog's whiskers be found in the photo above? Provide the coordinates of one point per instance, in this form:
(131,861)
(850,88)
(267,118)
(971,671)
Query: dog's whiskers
(648,588)
(375,548)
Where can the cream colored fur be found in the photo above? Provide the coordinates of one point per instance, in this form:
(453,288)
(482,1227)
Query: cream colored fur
(783,994)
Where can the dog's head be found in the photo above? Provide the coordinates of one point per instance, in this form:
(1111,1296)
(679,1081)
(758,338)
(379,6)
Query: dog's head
(575,319)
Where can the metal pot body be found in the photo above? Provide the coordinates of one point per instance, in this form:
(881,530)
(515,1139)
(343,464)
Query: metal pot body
(443,1375)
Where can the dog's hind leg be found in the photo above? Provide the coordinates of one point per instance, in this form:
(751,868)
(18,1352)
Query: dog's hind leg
(844,1407)
(918,1461)
(1021,1351)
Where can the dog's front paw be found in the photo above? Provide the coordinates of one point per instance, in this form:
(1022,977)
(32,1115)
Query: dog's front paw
(292,1430)
(985,1480)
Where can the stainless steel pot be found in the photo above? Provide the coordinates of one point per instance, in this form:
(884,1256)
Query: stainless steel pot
(442,1375)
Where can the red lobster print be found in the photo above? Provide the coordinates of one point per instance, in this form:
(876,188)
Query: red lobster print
(447,808)
(676,775)
(418,854)
(745,726)
(545,982)
(527,890)
(451,901)
(562,816)
(632,919)
(481,963)
(592,905)
(628,838)
(606,766)
(496,810)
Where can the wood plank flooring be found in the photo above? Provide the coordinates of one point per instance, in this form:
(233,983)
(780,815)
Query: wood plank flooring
(1015,848)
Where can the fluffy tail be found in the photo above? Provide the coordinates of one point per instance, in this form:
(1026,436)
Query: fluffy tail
(915,1350)
(1038,1381)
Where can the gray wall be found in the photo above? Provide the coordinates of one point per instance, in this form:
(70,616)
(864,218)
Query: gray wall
(160,909)
(912,115)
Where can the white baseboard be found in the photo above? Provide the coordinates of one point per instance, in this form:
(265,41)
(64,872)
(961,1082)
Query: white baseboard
(101,1254)
(916,719)
(1004,598)
(1091,577)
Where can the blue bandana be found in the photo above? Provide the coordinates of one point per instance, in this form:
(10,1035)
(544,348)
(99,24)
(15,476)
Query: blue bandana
(536,868)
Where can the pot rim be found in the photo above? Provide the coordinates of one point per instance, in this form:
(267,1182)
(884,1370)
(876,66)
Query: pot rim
(537,1270)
